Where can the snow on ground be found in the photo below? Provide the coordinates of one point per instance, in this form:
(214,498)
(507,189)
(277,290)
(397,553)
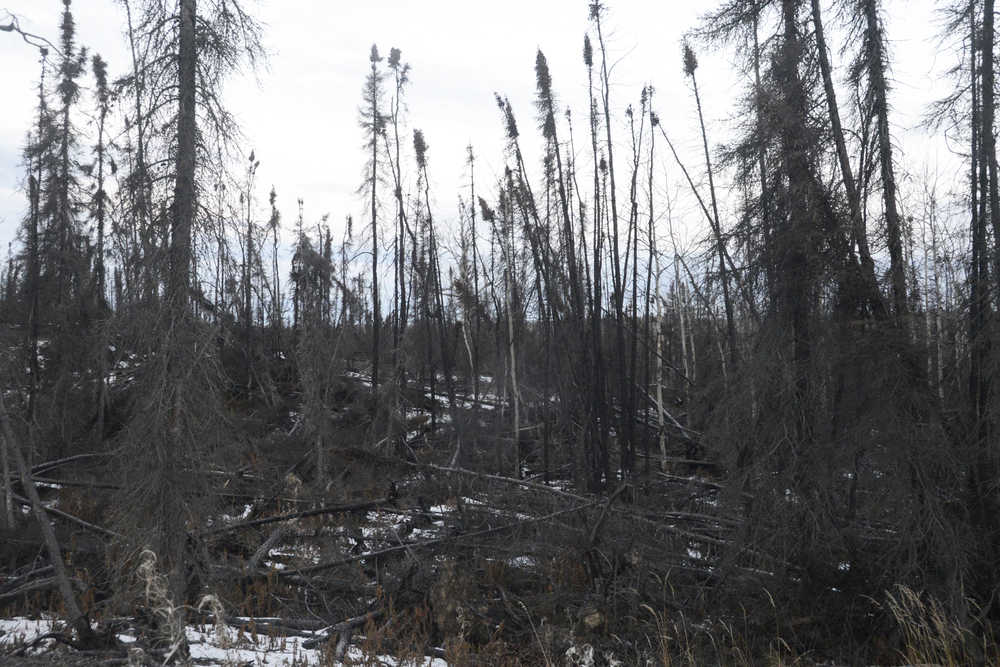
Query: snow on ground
(213,647)
(362,378)
(228,649)
(19,630)
(523,562)
(233,647)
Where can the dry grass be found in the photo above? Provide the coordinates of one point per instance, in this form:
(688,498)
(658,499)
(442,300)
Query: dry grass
(680,642)
(932,636)
(169,617)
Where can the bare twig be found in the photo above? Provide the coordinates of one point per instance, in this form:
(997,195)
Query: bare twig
(37,41)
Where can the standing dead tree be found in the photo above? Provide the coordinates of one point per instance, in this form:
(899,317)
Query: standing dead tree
(182,53)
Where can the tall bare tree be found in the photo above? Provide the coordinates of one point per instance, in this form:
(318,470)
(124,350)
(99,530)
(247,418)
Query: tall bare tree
(373,124)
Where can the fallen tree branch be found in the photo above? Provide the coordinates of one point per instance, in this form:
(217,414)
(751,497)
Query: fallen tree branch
(333,509)
(18,580)
(50,481)
(694,480)
(499,478)
(319,567)
(310,625)
(106,532)
(46,466)
(604,514)
(43,584)
(658,525)
(340,630)
(264,549)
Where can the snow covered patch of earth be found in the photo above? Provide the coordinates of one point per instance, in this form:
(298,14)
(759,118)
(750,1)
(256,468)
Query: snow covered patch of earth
(222,647)
(522,562)
(18,630)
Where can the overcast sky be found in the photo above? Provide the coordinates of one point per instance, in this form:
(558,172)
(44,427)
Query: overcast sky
(300,112)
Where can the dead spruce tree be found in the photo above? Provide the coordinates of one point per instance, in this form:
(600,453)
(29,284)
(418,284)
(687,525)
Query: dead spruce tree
(176,423)
(373,124)
(690,70)
(827,417)
(969,111)
(868,75)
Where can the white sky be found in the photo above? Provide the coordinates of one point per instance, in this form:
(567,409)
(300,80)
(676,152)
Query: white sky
(300,113)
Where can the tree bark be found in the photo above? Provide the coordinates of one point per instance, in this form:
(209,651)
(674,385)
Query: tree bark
(184,186)
(172,533)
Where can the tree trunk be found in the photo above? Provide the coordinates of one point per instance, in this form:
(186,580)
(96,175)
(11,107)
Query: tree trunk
(988,136)
(34,260)
(184,187)
(172,546)
(979,302)
(680,301)
(859,231)
(717,230)
(618,293)
(766,204)
(8,495)
(514,389)
(893,225)
(598,457)
(376,308)
(795,251)
(659,369)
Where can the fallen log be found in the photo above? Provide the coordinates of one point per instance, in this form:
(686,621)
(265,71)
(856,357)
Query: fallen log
(75,482)
(43,584)
(46,466)
(341,630)
(333,509)
(621,511)
(18,580)
(319,567)
(71,518)
(310,625)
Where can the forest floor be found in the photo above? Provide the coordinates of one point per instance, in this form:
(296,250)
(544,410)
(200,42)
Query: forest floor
(428,550)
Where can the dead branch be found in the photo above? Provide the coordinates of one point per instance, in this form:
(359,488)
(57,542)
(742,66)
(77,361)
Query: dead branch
(58,463)
(319,567)
(342,629)
(75,483)
(334,509)
(94,528)
(19,580)
(265,548)
(42,584)
(592,540)
(37,41)
(564,494)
